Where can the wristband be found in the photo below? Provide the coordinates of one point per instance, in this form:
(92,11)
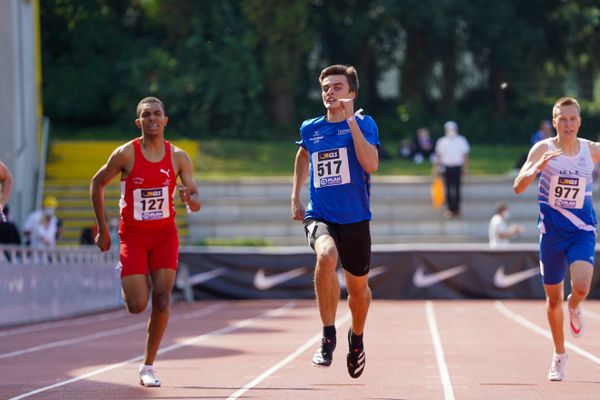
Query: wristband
(356,114)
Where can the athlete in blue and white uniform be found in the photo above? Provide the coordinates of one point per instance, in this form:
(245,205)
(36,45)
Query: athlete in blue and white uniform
(567,220)
(338,152)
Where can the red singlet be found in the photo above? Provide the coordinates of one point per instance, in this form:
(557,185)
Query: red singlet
(148,234)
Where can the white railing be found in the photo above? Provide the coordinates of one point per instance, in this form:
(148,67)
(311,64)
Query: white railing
(23,255)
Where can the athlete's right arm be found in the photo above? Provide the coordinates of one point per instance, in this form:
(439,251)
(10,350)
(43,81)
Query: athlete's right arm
(301,165)
(117,163)
(537,159)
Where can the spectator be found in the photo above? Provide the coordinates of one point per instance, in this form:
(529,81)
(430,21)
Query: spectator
(88,235)
(9,233)
(500,232)
(404,149)
(43,222)
(451,160)
(43,232)
(422,147)
(544,132)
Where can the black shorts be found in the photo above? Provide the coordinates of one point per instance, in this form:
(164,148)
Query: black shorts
(353,242)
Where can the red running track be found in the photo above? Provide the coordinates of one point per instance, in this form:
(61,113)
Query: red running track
(262,350)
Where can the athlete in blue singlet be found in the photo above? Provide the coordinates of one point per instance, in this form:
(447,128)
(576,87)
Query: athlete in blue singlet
(338,152)
(567,220)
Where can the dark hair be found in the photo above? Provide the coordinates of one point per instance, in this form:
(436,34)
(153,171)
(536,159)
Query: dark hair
(147,100)
(347,70)
(501,207)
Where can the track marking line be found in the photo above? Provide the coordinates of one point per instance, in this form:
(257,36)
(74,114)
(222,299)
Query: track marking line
(62,324)
(107,333)
(308,344)
(198,339)
(541,331)
(439,351)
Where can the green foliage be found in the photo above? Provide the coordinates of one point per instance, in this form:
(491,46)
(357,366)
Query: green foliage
(248,69)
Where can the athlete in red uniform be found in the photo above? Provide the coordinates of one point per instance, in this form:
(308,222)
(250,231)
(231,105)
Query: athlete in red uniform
(149,167)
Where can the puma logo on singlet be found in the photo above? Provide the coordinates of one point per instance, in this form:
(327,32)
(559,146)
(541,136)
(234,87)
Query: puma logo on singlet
(165,172)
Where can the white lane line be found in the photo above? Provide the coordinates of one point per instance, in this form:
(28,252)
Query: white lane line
(530,325)
(62,324)
(439,351)
(198,339)
(311,342)
(107,333)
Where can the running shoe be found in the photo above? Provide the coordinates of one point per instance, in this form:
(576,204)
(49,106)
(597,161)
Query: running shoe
(148,377)
(356,359)
(324,354)
(575,319)
(557,369)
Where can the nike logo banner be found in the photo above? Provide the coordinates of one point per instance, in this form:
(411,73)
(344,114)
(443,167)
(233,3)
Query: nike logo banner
(397,272)
(421,280)
(504,280)
(264,282)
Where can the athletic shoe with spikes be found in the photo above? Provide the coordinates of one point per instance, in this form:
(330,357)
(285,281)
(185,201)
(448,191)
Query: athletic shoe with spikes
(148,377)
(356,359)
(575,319)
(324,354)
(557,369)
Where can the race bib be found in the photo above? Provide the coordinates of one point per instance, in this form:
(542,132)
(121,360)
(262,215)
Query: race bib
(566,192)
(151,204)
(330,168)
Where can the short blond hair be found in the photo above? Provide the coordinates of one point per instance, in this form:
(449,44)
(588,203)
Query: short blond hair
(564,101)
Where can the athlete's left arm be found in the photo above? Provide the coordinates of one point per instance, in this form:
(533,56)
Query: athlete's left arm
(595,152)
(188,191)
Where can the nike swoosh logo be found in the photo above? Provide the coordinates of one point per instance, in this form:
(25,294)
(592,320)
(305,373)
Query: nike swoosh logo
(502,280)
(372,273)
(195,279)
(421,280)
(263,282)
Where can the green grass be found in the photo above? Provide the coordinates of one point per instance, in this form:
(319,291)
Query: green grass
(234,159)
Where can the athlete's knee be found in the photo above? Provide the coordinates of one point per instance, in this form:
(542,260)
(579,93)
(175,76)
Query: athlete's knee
(580,289)
(327,257)
(161,302)
(358,288)
(554,302)
(135,306)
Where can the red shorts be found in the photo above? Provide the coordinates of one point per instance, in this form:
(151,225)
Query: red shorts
(144,251)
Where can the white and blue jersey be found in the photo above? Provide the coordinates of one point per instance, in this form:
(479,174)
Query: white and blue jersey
(567,221)
(339,188)
(565,191)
